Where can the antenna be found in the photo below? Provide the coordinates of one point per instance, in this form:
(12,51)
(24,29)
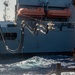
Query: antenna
(5,10)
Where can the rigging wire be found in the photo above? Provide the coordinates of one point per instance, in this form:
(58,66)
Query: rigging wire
(21,41)
(37,28)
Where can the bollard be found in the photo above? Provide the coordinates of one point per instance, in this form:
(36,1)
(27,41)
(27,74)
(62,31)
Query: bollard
(74,54)
(58,69)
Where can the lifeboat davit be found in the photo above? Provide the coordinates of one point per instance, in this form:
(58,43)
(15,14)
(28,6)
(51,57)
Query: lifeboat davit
(39,12)
(66,13)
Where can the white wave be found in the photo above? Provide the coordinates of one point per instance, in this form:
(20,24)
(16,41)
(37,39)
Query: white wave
(38,64)
(35,62)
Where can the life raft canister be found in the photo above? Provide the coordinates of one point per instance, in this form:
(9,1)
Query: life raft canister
(66,13)
(38,12)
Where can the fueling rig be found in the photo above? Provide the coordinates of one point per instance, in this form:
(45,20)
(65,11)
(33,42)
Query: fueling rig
(55,18)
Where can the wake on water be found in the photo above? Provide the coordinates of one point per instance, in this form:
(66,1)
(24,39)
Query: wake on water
(36,65)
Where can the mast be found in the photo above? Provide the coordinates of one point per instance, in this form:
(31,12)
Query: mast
(5,10)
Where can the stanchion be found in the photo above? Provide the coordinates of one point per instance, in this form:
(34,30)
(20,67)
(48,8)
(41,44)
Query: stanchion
(58,69)
(74,54)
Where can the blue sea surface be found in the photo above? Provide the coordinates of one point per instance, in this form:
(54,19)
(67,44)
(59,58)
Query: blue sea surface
(36,65)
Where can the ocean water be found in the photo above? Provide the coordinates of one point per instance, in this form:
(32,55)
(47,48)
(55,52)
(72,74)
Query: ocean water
(36,65)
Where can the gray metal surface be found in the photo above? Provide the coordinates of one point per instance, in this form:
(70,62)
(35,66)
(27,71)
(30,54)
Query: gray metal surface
(54,41)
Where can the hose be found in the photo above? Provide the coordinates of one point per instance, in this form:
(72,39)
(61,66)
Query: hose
(21,40)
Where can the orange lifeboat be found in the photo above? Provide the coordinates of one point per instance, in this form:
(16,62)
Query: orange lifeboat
(66,13)
(39,12)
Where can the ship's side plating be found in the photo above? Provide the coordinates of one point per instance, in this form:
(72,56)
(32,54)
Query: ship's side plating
(61,39)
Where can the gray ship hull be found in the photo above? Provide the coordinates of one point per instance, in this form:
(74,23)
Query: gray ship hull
(60,40)
(54,41)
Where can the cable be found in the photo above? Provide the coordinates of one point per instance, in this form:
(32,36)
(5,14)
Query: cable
(30,17)
(21,41)
(33,31)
